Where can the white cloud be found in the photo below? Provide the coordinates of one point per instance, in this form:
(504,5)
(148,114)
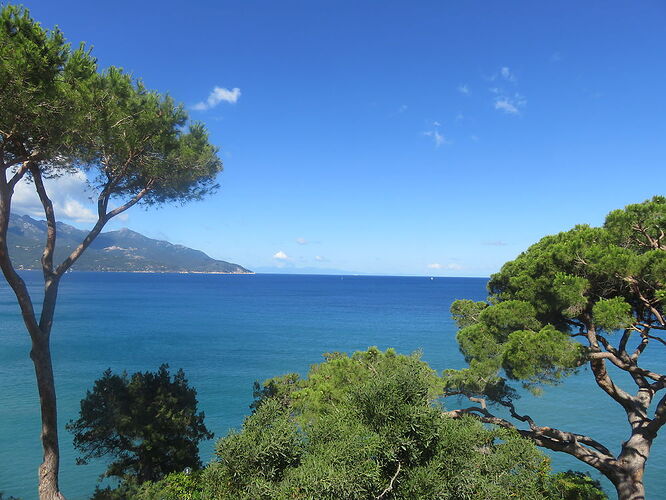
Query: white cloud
(402,108)
(510,105)
(506,73)
(463,89)
(302,241)
(319,258)
(69,194)
(504,104)
(495,243)
(503,100)
(556,57)
(281,256)
(436,124)
(218,95)
(451,266)
(437,137)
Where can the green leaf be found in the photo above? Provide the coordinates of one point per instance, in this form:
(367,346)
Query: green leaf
(612,314)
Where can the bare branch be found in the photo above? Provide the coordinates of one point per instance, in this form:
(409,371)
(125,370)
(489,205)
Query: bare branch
(631,368)
(607,345)
(18,175)
(94,232)
(633,283)
(390,486)
(481,414)
(659,415)
(645,340)
(626,335)
(582,447)
(657,339)
(49,247)
(130,203)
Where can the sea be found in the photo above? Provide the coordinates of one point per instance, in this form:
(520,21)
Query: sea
(227,331)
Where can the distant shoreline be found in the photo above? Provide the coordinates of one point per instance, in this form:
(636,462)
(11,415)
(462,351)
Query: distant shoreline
(145,272)
(264,273)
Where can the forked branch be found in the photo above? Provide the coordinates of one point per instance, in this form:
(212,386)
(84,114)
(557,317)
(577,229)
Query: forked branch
(51,232)
(97,228)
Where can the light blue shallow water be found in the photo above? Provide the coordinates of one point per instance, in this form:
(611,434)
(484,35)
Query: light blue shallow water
(227,331)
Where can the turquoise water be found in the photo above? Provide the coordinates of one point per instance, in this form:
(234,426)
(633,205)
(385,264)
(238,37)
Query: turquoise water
(227,331)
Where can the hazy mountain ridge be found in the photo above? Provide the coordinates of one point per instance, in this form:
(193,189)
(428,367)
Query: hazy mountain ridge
(122,250)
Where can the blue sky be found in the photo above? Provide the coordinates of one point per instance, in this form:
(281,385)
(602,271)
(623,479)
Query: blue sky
(425,138)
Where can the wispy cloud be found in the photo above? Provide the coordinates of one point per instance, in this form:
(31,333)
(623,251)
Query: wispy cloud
(281,256)
(319,258)
(451,266)
(507,75)
(556,57)
(302,241)
(436,136)
(510,104)
(504,104)
(218,95)
(463,89)
(496,243)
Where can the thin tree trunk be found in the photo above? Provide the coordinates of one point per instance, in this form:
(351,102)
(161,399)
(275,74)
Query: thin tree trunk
(40,333)
(48,470)
(40,353)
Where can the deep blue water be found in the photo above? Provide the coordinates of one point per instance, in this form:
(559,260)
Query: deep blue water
(227,331)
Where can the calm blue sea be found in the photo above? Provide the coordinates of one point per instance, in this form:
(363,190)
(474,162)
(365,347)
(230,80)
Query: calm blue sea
(227,331)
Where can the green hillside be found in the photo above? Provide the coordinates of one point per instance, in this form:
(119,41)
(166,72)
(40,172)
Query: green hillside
(122,250)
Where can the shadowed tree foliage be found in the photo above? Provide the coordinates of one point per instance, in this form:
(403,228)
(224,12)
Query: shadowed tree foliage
(58,114)
(148,423)
(590,295)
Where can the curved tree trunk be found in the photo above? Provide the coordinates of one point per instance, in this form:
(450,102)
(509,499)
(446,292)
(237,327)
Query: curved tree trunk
(630,468)
(48,470)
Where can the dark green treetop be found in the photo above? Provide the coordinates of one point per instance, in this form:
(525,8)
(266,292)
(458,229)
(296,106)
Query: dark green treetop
(148,423)
(589,295)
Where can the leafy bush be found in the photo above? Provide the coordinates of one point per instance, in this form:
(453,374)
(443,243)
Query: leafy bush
(369,426)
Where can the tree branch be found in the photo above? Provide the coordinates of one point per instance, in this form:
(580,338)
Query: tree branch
(18,175)
(659,416)
(657,339)
(390,486)
(631,368)
(101,222)
(580,446)
(622,347)
(633,283)
(598,367)
(49,247)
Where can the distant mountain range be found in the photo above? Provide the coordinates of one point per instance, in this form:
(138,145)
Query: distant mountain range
(123,250)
